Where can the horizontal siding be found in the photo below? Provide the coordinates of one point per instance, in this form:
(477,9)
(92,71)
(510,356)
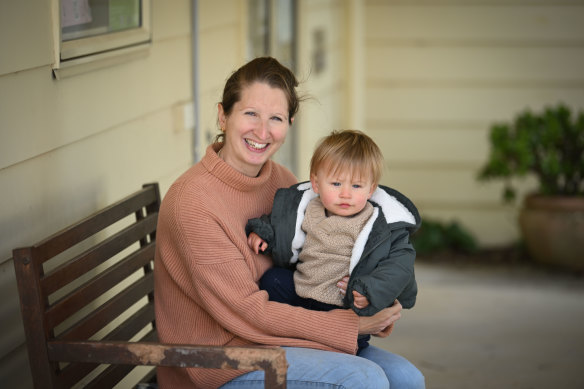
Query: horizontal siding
(423,146)
(448,187)
(439,74)
(476,24)
(503,66)
(47,114)
(28,27)
(488,104)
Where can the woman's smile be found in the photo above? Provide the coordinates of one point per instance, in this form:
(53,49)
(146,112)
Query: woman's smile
(256,146)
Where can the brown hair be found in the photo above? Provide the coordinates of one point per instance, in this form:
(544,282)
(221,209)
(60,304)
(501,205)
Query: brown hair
(263,69)
(348,150)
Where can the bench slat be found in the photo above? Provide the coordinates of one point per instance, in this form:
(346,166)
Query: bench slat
(132,325)
(111,309)
(110,376)
(103,282)
(72,235)
(98,254)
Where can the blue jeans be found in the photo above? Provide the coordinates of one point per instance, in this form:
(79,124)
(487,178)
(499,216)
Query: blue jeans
(373,368)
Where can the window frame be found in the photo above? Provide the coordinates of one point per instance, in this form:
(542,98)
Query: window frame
(85,54)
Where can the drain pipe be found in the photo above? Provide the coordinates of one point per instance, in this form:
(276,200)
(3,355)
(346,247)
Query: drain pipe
(195,77)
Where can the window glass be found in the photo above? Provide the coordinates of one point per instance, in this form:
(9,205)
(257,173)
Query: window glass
(86,18)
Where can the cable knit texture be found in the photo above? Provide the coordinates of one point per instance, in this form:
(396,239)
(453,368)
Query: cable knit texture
(326,254)
(206,276)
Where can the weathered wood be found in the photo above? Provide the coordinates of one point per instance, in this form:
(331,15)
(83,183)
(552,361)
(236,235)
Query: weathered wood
(68,312)
(270,359)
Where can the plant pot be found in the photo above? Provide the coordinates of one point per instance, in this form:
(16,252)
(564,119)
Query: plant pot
(553,230)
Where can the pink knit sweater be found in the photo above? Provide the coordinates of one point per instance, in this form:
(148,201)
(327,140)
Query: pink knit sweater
(206,276)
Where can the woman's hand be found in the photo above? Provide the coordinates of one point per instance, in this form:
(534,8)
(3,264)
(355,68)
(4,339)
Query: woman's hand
(381,324)
(256,243)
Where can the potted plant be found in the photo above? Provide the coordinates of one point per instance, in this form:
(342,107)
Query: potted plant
(550,146)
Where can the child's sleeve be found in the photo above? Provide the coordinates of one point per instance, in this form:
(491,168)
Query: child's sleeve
(392,279)
(263,228)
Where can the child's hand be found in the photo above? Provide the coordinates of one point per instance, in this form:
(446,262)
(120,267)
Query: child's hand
(342,285)
(256,243)
(359,301)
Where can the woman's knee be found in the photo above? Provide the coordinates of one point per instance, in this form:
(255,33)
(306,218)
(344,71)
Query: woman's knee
(369,375)
(401,373)
(408,378)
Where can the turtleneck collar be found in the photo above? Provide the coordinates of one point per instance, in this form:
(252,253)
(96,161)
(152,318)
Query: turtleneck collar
(227,174)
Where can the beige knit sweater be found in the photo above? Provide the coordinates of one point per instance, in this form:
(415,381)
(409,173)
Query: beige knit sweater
(326,254)
(206,276)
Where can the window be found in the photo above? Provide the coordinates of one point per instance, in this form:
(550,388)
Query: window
(97,33)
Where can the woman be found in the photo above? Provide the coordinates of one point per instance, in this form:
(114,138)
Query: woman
(206,276)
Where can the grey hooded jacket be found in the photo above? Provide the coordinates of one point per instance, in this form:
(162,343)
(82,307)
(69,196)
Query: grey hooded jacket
(382,262)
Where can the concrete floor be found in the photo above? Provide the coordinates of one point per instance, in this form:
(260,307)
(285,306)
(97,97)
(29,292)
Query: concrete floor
(494,327)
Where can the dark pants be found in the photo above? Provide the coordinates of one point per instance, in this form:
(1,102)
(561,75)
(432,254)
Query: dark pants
(279,283)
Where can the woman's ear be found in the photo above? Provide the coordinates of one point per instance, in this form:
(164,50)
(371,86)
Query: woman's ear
(221,116)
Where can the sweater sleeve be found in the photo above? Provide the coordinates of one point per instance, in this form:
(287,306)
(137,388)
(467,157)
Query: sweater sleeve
(392,279)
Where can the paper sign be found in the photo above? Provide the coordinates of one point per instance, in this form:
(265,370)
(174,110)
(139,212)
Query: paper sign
(75,12)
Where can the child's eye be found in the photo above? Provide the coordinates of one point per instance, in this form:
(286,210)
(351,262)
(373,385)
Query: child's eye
(356,186)
(335,183)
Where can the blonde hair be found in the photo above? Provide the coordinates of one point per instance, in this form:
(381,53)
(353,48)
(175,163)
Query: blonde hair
(348,150)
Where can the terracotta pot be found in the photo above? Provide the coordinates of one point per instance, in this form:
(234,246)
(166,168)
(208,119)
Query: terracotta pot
(553,229)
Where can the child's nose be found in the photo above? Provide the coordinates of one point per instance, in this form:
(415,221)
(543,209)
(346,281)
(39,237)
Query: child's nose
(345,191)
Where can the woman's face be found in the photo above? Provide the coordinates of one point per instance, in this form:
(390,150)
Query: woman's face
(255,129)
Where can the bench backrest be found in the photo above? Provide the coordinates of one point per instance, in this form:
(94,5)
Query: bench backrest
(90,281)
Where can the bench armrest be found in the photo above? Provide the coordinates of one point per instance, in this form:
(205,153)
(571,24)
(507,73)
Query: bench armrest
(270,359)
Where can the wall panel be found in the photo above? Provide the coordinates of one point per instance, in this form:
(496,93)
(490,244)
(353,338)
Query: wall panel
(440,73)
(511,23)
(45,114)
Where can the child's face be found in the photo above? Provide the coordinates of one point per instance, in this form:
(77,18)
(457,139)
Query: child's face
(342,194)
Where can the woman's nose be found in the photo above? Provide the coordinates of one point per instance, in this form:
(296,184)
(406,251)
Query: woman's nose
(262,130)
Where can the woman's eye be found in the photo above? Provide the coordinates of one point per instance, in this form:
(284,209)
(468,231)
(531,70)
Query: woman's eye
(250,113)
(277,118)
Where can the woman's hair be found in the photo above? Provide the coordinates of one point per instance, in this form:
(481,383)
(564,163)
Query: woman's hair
(348,150)
(266,70)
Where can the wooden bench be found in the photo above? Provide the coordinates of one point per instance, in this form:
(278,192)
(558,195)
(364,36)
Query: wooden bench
(87,303)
